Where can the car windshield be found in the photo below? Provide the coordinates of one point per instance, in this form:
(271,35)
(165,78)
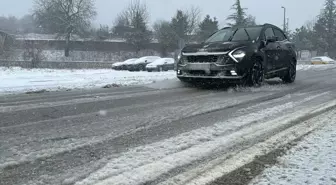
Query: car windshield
(220,36)
(231,34)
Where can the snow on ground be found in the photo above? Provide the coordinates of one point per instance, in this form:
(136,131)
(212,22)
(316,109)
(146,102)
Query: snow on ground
(311,162)
(22,80)
(145,163)
(17,79)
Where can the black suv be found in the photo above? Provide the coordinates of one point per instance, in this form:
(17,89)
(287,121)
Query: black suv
(246,55)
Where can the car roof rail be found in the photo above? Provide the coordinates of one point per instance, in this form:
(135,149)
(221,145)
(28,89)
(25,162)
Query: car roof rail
(226,28)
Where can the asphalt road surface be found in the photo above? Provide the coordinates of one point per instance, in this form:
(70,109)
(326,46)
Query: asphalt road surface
(157,134)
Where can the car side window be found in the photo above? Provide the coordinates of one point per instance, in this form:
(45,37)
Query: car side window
(280,35)
(269,33)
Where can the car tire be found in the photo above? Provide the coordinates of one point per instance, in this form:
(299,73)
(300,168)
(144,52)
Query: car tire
(291,73)
(255,76)
(142,68)
(148,70)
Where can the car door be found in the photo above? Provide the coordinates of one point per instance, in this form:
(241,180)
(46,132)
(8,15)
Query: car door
(271,50)
(284,49)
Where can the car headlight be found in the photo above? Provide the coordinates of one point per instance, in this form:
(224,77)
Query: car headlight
(181,59)
(239,55)
(179,56)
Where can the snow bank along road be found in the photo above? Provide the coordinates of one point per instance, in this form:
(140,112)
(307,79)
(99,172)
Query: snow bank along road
(155,134)
(19,80)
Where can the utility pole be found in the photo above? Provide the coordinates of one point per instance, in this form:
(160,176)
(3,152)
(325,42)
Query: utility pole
(284,23)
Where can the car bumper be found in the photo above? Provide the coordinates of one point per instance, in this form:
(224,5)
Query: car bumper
(208,71)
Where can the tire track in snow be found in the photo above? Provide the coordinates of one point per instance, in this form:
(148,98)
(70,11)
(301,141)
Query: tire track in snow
(62,96)
(82,154)
(58,109)
(48,130)
(267,98)
(146,163)
(168,110)
(95,98)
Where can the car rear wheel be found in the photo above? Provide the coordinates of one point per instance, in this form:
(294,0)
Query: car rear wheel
(291,73)
(142,68)
(255,76)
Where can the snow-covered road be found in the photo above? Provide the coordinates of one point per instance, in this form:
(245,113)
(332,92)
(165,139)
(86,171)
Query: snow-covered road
(311,162)
(154,134)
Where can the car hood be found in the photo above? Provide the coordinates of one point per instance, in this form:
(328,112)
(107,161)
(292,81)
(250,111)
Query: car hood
(117,64)
(213,47)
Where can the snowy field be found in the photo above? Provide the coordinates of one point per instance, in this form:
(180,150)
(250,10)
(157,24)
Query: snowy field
(22,80)
(18,80)
(311,162)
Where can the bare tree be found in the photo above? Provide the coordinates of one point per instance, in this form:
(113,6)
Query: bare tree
(132,25)
(194,16)
(185,24)
(121,25)
(166,36)
(65,17)
(9,24)
(6,45)
(33,52)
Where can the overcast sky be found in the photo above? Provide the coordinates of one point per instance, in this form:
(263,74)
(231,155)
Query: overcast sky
(298,11)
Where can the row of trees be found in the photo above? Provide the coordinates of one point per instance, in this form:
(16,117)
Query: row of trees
(66,18)
(12,24)
(320,34)
(74,17)
(185,26)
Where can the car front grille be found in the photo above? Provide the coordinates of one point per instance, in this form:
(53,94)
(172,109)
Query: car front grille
(202,59)
(202,73)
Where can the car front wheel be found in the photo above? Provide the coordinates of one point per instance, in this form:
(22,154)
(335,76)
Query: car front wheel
(140,68)
(291,73)
(255,76)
